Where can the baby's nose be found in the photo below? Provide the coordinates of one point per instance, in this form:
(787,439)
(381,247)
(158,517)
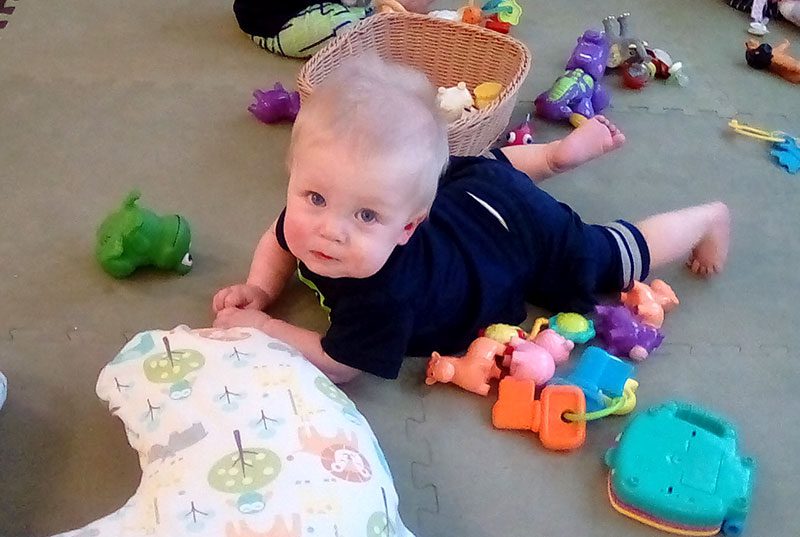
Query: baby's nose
(333,230)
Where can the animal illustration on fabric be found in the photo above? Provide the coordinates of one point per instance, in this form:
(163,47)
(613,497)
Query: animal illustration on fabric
(261,444)
(177,441)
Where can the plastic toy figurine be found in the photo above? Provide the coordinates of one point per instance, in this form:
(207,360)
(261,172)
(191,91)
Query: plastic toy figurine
(677,468)
(3,389)
(486,94)
(784,147)
(275,105)
(622,335)
(471,372)
(505,12)
(503,333)
(522,134)
(470,14)
(661,60)
(536,360)
(454,101)
(133,237)
(677,76)
(777,60)
(573,326)
(621,44)
(578,94)
(498,15)
(600,376)
(650,302)
(517,408)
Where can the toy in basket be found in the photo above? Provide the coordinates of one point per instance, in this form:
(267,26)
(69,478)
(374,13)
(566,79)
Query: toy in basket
(430,45)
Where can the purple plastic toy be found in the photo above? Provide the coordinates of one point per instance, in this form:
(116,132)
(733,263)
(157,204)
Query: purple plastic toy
(275,105)
(578,92)
(622,335)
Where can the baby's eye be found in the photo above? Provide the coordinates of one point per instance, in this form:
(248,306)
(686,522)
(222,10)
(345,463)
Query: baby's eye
(316,199)
(367,216)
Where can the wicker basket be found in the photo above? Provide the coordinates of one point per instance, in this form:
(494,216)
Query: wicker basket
(449,53)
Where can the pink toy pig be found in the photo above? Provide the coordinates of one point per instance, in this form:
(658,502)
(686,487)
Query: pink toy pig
(536,360)
(557,345)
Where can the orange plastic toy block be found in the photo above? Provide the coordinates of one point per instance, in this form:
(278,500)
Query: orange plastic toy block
(517,408)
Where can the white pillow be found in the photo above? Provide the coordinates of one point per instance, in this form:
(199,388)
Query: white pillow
(239,435)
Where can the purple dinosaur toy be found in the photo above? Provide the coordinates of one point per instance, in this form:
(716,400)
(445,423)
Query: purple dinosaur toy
(622,335)
(578,92)
(276,104)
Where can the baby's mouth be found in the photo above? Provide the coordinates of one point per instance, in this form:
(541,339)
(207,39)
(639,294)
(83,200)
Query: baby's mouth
(320,255)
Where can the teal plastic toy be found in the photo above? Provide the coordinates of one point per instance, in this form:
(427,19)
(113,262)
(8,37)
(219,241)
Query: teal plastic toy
(676,467)
(133,237)
(573,326)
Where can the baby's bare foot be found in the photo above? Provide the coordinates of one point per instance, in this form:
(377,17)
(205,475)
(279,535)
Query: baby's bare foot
(592,139)
(708,257)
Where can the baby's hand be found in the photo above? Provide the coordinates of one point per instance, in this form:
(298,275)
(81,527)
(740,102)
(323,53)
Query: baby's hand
(239,318)
(243,296)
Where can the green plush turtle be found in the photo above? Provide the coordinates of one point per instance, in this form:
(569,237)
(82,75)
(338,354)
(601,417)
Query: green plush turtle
(133,237)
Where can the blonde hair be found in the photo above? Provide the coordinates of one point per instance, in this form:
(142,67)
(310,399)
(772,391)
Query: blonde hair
(379,110)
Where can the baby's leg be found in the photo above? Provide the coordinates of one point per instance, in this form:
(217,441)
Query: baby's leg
(590,140)
(700,234)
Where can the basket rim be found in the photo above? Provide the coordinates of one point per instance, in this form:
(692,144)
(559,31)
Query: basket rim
(511,89)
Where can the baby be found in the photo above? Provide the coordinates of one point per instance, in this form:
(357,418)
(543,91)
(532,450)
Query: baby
(410,251)
(299,28)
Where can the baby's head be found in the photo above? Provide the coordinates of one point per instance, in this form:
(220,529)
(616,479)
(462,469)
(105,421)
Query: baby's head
(368,148)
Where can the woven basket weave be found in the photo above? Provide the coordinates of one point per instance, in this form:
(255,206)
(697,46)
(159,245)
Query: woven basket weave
(448,53)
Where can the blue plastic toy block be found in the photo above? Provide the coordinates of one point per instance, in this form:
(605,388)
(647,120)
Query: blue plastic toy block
(598,374)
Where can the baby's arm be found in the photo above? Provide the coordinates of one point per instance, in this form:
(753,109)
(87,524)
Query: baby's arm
(308,342)
(269,271)
(590,140)
(272,266)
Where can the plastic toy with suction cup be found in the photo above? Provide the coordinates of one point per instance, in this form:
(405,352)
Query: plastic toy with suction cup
(578,94)
(785,148)
(676,467)
(133,237)
(275,105)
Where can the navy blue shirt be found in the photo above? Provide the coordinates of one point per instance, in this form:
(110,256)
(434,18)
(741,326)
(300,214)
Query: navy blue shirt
(492,241)
(265,18)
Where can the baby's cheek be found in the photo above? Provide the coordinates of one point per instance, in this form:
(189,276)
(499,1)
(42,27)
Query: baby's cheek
(295,234)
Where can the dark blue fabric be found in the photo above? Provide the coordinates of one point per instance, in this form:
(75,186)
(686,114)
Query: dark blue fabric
(463,270)
(265,18)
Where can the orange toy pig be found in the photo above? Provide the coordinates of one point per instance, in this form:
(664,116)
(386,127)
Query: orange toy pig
(650,302)
(472,371)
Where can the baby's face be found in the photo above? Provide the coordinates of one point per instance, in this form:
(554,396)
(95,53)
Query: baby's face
(344,217)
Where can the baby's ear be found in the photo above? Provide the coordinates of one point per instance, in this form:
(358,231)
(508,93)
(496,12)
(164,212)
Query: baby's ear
(410,228)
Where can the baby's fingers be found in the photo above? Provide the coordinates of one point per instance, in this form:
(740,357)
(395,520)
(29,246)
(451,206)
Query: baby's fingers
(218,303)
